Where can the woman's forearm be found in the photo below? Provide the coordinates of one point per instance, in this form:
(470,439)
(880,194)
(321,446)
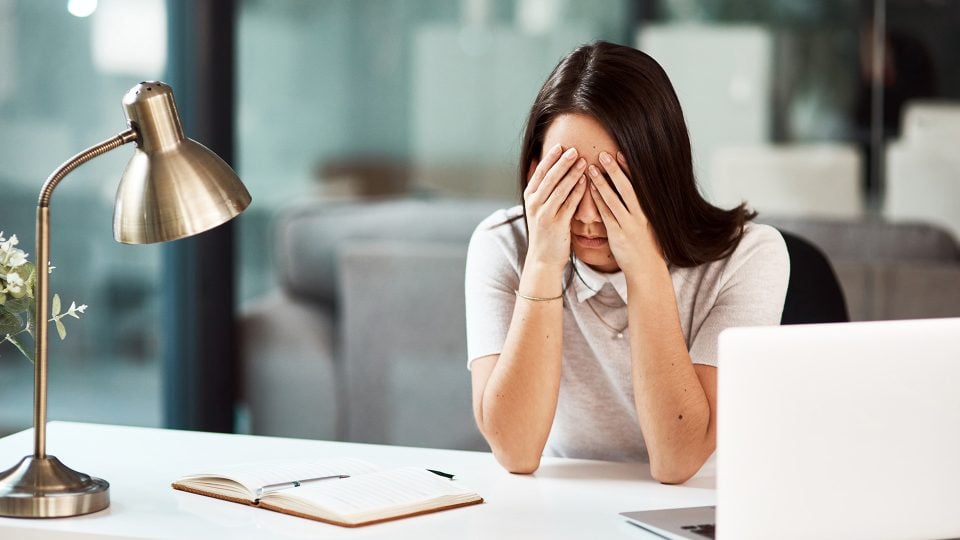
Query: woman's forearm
(520,398)
(672,406)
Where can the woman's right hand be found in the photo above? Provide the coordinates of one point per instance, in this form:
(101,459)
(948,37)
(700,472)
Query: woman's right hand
(550,199)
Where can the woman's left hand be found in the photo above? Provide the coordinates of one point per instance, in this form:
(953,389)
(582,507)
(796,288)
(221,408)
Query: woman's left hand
(631,237)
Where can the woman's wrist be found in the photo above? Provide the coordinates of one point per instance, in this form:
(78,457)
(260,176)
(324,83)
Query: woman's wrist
(648,276)
(540,279)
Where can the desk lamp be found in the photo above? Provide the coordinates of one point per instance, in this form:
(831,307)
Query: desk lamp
(173,187)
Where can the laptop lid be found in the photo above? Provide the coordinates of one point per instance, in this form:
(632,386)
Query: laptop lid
(695,523)
(847,430)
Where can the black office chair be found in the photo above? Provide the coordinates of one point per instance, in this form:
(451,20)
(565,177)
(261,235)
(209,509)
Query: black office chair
(814,294)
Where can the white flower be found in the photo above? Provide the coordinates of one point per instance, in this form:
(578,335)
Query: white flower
(15,285)
(14,280)
(7,245)
(17,278)
(9,255)
(17,258)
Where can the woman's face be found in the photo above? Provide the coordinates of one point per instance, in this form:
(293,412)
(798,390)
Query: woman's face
(588,234)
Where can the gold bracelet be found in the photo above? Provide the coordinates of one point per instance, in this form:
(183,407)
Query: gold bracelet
(537,298)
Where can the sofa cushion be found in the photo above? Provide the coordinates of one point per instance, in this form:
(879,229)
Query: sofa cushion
(404,345)
(309,237)
(289,373)
(873,240)
(886,291)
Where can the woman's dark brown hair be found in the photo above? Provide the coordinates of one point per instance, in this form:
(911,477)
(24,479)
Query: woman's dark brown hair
(630,95)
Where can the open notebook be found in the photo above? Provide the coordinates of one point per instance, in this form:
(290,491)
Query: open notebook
(346,492)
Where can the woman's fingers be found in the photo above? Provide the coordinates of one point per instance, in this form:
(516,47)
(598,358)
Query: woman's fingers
(556,173)
(562,191)
(569,206)
(543,166)
(609,220)
(621,182)
(609,197)
(622,161)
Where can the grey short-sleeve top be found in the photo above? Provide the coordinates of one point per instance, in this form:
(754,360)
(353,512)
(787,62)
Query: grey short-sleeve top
(596,417)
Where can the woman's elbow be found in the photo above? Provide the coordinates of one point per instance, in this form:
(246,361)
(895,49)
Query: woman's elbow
(512,457)
(679,468)
(518,463)
(515,459)
(671,474)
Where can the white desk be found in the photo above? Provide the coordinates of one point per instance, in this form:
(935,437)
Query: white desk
(566,498)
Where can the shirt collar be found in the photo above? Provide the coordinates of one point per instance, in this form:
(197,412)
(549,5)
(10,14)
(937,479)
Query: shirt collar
(591,281)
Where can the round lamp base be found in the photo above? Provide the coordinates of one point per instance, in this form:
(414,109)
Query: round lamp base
(46,488)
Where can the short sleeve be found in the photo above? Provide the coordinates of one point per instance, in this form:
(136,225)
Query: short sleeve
(752,290)
(492,275)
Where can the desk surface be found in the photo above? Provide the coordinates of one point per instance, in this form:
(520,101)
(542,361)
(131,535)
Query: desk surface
(565,498)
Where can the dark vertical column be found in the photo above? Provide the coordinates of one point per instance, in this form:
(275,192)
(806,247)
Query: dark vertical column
(200,362)
(642,12)
(875,181)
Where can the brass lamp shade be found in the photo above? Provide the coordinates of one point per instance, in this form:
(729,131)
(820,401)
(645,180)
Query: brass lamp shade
(173,187)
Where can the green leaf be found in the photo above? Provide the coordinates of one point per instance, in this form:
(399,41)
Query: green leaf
(61,329)
(21,347)
(56,305)
(18,305)
(32,320)
(9,322)
(31,281)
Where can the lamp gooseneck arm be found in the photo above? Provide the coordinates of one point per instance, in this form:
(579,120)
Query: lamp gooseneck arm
(62,171)
(42,271)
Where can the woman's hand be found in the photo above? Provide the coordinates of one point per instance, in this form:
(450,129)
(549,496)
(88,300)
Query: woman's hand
(550,199)
(632,239)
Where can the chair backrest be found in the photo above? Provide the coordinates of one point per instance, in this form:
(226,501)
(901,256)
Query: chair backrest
(814,294)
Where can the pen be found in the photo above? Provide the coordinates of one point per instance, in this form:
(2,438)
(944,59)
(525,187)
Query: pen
(270,488)
(443,474)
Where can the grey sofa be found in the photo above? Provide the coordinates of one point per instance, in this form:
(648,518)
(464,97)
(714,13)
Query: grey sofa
(364,338)
(901,270)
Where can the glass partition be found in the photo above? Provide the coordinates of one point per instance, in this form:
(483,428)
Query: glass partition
(802,108)
(64,68)
(342,99)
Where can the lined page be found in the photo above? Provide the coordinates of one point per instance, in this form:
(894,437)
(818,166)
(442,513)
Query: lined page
(258,474)
(383,493)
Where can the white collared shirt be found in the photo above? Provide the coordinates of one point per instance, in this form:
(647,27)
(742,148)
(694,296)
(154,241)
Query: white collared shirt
(596,416)
(587,282)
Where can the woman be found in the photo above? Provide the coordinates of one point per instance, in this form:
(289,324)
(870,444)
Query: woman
(593,309)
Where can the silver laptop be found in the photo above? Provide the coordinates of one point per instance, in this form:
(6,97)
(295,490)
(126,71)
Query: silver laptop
(848,430)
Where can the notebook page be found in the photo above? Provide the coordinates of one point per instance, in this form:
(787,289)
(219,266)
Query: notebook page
(398,490)
(258,474)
